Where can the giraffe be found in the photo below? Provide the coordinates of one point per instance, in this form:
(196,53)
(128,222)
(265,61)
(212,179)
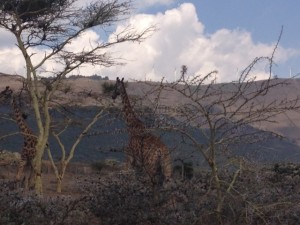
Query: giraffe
(145,152)
(30,140)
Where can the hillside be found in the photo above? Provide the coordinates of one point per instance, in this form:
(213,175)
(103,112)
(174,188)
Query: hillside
(83,97)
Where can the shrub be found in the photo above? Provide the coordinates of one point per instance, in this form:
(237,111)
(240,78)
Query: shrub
(107,164)
(124,198)
(27,208)
(258,196)
(107,87)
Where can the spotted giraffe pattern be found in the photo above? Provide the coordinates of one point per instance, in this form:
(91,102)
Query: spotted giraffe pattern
(144,152)
(29,143)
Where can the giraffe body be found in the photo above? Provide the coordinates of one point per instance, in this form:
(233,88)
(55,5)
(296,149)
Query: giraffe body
(145,152)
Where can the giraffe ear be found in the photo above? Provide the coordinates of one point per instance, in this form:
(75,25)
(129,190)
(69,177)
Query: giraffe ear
(122,79)
(118,79)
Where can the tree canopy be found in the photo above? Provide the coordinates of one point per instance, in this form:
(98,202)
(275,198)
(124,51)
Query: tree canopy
(43,30)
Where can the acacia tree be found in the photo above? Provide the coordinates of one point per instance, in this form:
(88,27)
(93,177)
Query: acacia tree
(50,26)
(217,119)
(62,125)
(228,116)
(67,155)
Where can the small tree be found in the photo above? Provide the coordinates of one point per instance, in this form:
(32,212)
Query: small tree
(68,154)
(50,26)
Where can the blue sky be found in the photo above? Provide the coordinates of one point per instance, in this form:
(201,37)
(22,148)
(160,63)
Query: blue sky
(205,35)
(262,18)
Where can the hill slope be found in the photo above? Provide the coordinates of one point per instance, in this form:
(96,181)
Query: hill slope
(104,142)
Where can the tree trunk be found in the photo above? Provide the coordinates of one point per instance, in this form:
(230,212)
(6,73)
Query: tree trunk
(59,184)
(38,185)
(38,174)
(219,191)
(61,176)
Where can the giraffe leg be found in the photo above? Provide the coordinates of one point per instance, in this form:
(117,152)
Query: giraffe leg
(21,167)
(129,162)
(167,171)
(32,176)
(26,180)
(20,172)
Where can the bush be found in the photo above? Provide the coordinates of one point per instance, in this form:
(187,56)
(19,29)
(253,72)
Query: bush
(107,87)
(124,198)
(27,208)
(107,164)
(259,196)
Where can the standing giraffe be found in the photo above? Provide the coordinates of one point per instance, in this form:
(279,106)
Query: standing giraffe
(145,152)
(30,140)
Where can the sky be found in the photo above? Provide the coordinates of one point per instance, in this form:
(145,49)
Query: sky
(204,35)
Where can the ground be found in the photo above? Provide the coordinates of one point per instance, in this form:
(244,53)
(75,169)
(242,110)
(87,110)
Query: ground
(102,193)
(75,171)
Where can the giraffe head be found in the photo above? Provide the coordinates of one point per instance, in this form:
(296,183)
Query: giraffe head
(119,88)
(6,94)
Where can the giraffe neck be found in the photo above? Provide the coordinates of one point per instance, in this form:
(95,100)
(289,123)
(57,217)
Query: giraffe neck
(134,125)
(24,128)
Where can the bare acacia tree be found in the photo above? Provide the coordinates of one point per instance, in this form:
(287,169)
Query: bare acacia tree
(224,116)
(219,118)
(50,26)
(59,127)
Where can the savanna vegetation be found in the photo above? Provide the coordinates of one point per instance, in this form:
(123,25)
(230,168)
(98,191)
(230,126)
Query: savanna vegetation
(216,120)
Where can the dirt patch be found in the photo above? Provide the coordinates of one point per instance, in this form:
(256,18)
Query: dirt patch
(75,172)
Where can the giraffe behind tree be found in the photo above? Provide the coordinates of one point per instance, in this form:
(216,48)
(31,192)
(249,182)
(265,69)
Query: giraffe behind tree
(145,152)
(30,140)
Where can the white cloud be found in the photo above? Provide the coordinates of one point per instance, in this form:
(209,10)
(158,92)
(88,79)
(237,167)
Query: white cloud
(83,3)
(162,2)
(6,39)
(179,40)
(12,61)
(148,3)
(86,41)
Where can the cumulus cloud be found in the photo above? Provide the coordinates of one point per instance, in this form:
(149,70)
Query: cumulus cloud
(86,41)
(179,40)
(12,61)
(148,3)
(6,39)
